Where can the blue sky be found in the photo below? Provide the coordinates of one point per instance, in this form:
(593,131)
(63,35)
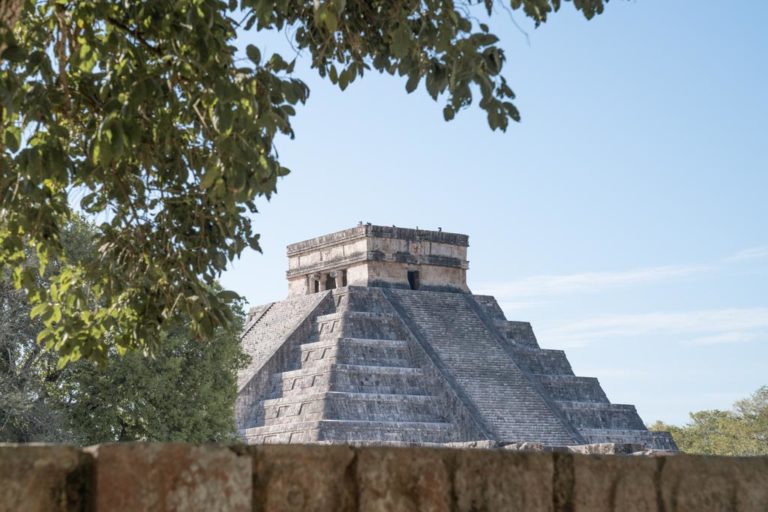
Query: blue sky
(625,217)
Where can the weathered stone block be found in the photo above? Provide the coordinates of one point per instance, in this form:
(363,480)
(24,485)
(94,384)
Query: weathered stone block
(403,479)
(307,478)
(171,477)
(44,478)
(694,483)
(613,483)
(606,448)
(502,480)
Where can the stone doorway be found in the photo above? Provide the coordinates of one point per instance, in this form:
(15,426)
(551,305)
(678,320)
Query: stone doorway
(413,279)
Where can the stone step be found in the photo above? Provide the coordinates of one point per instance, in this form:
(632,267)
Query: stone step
(542,361)
(358,324)
(338,315)
(349,378)
(570,388)
(341,431)
(293,433)
(277,411)
(622,436)
(355,351)
(519,333)
(383,407)
(592,415)
(391,443)
(348,406)
(357,298)
(491,307)
(382,431)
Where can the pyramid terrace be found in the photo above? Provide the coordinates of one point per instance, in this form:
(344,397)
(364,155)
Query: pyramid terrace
(380,341)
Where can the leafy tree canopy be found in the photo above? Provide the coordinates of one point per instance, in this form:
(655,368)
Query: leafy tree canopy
(141,115)
(25,412)
(185,392)
(741,431)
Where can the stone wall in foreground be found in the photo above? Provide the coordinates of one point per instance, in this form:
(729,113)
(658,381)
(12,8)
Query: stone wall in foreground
(176,477)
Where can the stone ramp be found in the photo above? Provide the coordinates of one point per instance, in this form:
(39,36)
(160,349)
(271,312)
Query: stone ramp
(267,329)
(509,404)
(581,400)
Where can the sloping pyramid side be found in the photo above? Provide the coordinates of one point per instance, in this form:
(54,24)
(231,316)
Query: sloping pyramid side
(375,365)
(349,375)
(581,400)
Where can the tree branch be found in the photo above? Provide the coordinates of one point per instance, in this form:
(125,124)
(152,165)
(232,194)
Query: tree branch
(135,33)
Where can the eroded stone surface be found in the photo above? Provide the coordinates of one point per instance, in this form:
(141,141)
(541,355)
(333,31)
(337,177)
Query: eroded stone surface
(277,478)
(403,479)
(310,478)
(614,483)
(499,480)
(691,483)
(42,478)
(170,478)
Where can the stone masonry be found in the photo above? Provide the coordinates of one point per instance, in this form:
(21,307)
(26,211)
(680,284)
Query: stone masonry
(286,478)
(381,342)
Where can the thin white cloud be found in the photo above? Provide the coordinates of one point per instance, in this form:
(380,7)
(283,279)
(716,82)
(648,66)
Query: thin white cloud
(704,327)
(517,294)
(753,253)
(727,338)
(554,285)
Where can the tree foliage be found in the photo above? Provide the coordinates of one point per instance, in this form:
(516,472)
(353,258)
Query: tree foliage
(26,413)
(185,391)
(141,115)
(741,431)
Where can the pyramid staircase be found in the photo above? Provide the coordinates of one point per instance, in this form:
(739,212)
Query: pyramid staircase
(352,380)
(580,399)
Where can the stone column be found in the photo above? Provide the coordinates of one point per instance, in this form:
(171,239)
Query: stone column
(323,277)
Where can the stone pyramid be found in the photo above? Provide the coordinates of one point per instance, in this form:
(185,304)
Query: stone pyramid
(381,342)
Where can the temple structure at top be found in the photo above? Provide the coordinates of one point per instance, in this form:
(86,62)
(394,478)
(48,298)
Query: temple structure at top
(380,256)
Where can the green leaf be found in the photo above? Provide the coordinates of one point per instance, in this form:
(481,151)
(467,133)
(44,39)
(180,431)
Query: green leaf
(14,53)
(328,19)
(344,79)
(401,41)
(228,296)
(210,177)
(253,54)
(45,337)
(87,57)
(432,85)
(38,310)
(413,82)
(12,139)
(102,152)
